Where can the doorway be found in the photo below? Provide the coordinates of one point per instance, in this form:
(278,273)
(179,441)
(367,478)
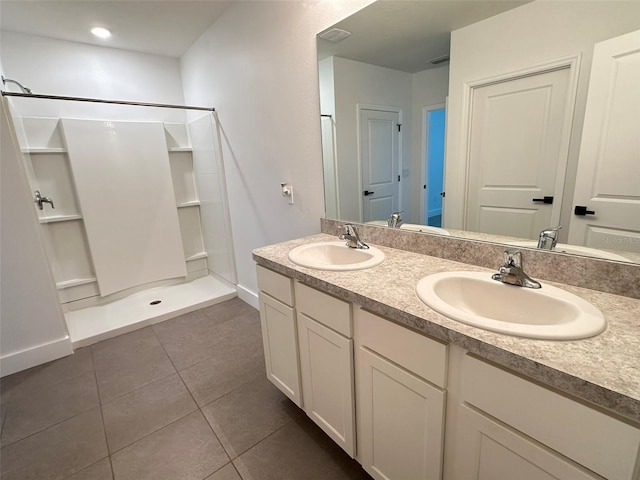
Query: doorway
(434,121)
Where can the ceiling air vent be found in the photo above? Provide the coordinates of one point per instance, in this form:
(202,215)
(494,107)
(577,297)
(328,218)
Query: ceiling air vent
(335,35)
(439,60)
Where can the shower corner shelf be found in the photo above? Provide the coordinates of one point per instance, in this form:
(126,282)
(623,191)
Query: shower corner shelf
(192,203)
(196,256)
(180,149)
(44,150)
(59,218)
(75,282)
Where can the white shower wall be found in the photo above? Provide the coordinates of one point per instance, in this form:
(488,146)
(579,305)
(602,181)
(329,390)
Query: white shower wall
(76,238)
(67,68)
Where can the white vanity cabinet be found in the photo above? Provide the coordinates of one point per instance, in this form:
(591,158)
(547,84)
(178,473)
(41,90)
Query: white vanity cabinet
(401,378)
(508,427)
(362,377)
(325,332)
(279,332)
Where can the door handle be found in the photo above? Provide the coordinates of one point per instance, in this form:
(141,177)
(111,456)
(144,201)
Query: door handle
(547,200)
(367,192)
(582,210)
(39,200)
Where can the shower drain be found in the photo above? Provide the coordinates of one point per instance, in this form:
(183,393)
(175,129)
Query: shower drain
(155,302)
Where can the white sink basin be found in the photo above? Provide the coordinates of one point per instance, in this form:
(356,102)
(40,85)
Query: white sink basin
(335,256)
(475,299)
(576,249)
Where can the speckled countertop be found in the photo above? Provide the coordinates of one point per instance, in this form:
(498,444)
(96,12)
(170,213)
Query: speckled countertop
(603,370)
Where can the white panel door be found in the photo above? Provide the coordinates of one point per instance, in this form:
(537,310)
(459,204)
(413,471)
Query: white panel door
(326,365)
(489,450)
(518,153)
(280,341)
(608,179)
(401,421)
(379,160)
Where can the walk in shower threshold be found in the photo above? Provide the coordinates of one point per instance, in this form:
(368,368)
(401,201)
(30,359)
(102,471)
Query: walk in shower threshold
(92,324)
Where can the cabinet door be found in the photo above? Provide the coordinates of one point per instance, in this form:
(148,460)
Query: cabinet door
(488,450)
(326,364)
(401,421)
(280,340)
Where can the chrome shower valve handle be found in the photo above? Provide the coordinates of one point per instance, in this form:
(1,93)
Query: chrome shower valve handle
(39,200)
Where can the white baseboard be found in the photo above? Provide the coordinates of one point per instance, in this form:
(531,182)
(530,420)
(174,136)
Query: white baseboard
(248,296)
(30,357)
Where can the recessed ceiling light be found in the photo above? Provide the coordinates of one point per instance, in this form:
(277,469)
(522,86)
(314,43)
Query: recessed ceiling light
(101,32)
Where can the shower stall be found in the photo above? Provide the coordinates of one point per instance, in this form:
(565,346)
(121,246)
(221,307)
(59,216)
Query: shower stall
(132,208)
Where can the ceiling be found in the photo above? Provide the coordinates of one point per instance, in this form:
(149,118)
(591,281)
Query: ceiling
(421,30)
(162,27)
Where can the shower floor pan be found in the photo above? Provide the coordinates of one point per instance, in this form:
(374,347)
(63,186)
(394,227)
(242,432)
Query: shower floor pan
(93,324)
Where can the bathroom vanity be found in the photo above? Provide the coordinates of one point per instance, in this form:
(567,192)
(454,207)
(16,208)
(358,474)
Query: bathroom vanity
(412,394)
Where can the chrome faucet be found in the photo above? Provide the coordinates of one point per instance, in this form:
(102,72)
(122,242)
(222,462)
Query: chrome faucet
(511,272)
(548,238)
(394,221)
(39,200)
(351,236)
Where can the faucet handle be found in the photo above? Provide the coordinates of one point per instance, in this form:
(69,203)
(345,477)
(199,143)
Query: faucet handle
(512,258)
(550,232)
(349,229)
(394,220)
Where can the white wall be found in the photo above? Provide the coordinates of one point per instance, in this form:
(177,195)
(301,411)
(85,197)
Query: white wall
(327,107)
(32,329)
(532,34)
(345,83)
(429,88)
(258,66)
(358,83)
(59,67)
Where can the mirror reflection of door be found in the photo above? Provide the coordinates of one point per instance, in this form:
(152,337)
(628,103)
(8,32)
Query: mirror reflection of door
(517,154)
(610,150)
(435,121)
(379,163)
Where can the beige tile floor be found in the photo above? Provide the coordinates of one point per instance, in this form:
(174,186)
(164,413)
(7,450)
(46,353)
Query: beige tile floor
(186,399)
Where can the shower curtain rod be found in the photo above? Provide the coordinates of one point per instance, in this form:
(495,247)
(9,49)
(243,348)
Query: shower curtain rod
(99,100)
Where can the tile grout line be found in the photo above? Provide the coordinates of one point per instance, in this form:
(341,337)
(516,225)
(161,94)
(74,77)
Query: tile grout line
(231,459)
(58,382)
(9,401)
(198,408)
(104,427)
(157,429)
(293,420)
(139,386)
(50,426)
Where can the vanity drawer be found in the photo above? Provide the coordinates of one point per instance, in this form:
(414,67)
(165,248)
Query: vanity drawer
(275,284)
(601,443)
(417,353)
(325,309)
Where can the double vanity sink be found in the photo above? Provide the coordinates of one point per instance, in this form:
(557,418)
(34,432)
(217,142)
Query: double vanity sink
(474,298)
(425,368)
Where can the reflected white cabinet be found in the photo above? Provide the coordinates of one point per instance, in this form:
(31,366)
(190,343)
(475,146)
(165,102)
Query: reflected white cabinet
(400,412)
(326,363)
(279,333)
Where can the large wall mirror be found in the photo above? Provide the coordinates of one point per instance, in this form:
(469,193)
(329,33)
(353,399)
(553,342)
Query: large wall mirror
(492,120)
